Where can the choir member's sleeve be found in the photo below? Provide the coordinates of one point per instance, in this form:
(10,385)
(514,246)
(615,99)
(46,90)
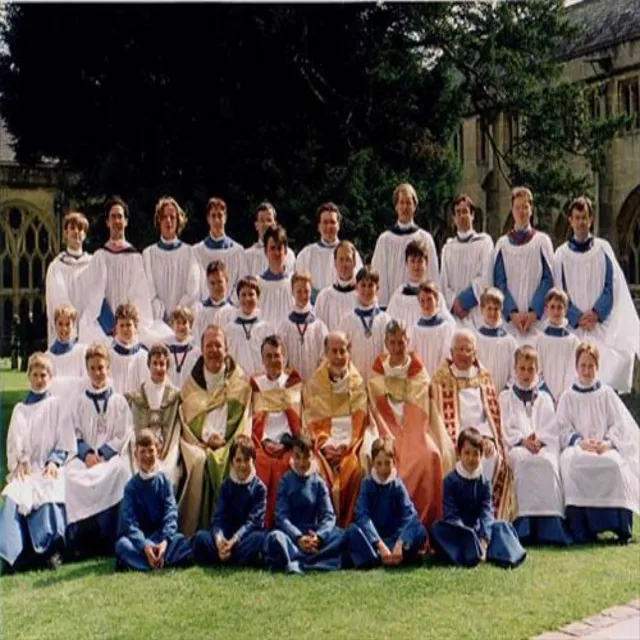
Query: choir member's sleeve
(546,281)
(547,427)
(255,519)
(622,433)
(511,433)
(569,435)
(326,514)
(362,516)
(486,519)
(450,509)
(282,513)
(65,444)
(157,306)
(15,439)
(169,512)
(604,304)
(500,281)
(434,263)
(128,525)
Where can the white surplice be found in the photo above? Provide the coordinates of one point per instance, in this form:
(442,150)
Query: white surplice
(335,302)
(303,335)
(366,334)
(226,250)
(256,260)
(432,342)
(244,340)
(275,297)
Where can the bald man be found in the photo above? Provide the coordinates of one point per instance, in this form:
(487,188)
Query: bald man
(465,396)
(336,415)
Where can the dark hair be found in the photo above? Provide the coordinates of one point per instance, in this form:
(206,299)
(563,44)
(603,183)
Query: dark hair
(216,266)
(265,205)
(385,444)
(348,245)
(278,234)
(302,442)
(470,435)
(145,438)
(464,198)
(272,340)
(330,207)
(581,204)
(157,349)
(250,282)
(216,202)
(247,448)
(112,202)
(368,273)
(416,249)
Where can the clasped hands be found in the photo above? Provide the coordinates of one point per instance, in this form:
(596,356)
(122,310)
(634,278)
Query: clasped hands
(393,557)
(22,470)
(215,441)
(532,444)
(224,547)
(522,321)
(154,554)
(309,542)
(594,446)
(333,454)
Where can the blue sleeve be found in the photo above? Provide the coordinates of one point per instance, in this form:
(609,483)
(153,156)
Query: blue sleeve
(574,439)
(546,283)
(83,449)
(486,511)
(604,304)
(58,457)
(500,281)
(106,319)
(128,525)
(106,452)
(220,523)
(450,508)
(573,313)
(314,295)
(409,513)
(362,516)
(467,298)
(170,512)
(326,514)
(282,515)
(257,513)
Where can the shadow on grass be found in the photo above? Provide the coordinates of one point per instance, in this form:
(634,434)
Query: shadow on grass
(99,566)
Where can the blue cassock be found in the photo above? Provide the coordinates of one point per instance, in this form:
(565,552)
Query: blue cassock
(303,505)
(149,515)
(240,512)
(468,518)
(384,512)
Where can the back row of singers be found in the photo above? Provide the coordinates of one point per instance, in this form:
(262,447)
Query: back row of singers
(522,265)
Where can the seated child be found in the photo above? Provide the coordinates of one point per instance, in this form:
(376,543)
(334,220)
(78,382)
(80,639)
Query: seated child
(65,354)
(600,459)
(556,345)
(303,333)
(148,535)
(32,512)
(531,434)
(468,533)
(431,335)
(237,532)
(338,299)
(184,353)
(496,347)
(386,528)
(365,325)
(127,355)
(306,536)
(95,480)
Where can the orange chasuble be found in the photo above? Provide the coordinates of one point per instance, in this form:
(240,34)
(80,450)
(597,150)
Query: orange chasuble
(444,389)
(271,466)
(321,405)
(400,405)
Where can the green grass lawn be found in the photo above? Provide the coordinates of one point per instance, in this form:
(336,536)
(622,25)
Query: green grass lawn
(88,600)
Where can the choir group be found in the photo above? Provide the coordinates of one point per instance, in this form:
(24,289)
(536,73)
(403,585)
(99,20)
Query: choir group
(218,405)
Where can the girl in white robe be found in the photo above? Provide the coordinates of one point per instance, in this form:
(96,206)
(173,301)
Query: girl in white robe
(600,460)
(39,439)
(531,435)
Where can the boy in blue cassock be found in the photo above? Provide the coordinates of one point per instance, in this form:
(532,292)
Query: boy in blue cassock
(306,536)
(386,528)
(468,533)
(237,532)
(148,535)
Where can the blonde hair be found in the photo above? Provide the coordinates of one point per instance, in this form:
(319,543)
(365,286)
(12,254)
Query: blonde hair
(300,276)
(429,287)
(39,360)
(166,201)
(127,311)
(527,353)
(522,192)
(97,350)
(77,218)
(182,313)
(348,245)
(590,349)
(406,188)
(65,310)
(491,294)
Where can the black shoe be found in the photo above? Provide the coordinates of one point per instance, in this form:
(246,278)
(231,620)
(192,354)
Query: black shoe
(5,568)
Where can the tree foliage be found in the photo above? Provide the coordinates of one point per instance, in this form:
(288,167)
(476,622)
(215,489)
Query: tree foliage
(297,104)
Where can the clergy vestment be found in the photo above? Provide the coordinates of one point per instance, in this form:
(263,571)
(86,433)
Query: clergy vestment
(522,270)
(601,490)
(303,334)
(303,504)
(496,349)
(128,366)
(276,418)
(336,413)
(182,358)
(240,514)
(256,260)
(431,340)
(228,251)
(592,278)
(469,399)
(149,515)
(275,296)
(404,306)
(32,513)
(209,312)
(556,347)
(211,403)
(536,477)
(384,513)
(67,359)
(364,328)
(245,335)
(66,283)
(468,519)
(173,277)
(466,271)
(402,409)
(318,259)
(335,302)
(389,259)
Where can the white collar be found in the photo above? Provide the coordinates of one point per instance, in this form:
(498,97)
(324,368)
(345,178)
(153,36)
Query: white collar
(399,371)
(562,325)
(251,316)
(76,253)
(41,390)
(340,386)
(147,475)
(91,388)
(119,244)
(312,469)
(586,386)
(233,476)
(465,474)
(405,225)
(172,241)
(222,237)
(376,478)
(214,380)
(533,385)
(465,235)
(345,283)
(306,309)
(472,372)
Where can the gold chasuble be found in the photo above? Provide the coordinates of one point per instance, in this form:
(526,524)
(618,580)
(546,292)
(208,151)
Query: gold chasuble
(445,388)
(321,404)
(403,410)
(197,403)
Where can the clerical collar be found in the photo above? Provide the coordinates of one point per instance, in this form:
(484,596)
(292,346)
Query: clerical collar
(91,391)
(156,385)
(301,317)
(410,289)
(340,385)
(306,309)
(465,236)
(390,478)
(124,350)
(271,276)
(59,348)
(214,380)
(580,246)
(367,312)
(223,242)
(404,228)
(242,318)
(521,236)
(344,286)
(433,321)
(328,245)
(469,475)
(557,332)
(582,389)
(119,246)
(74,253)
(180,347)
(471,372)
(397,371)
(526,395)
(233,476)
(169,245)
(215,304)
(33,397)
(493,332)
(152,473)
(313,467)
